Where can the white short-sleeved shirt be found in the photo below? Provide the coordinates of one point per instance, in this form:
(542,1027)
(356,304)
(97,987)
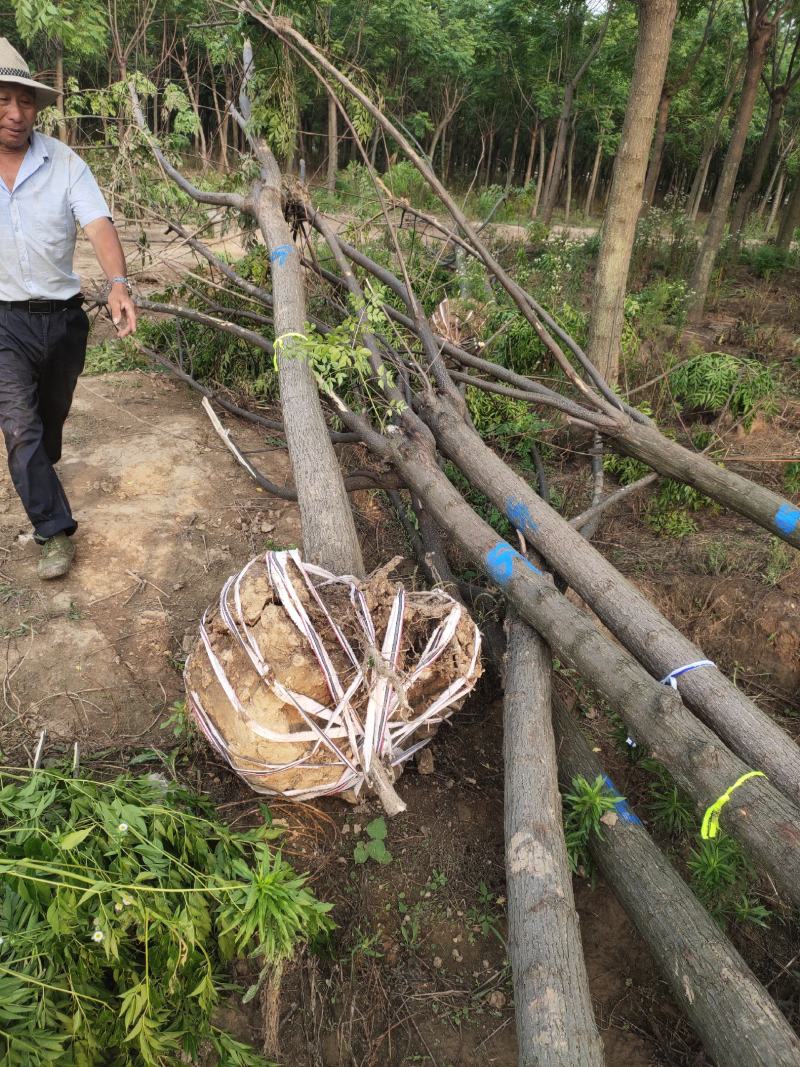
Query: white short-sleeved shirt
(53,191)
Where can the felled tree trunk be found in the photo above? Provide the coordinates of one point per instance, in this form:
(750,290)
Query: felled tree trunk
(553,1007)
(619,605)
(731,1012)
(761,817)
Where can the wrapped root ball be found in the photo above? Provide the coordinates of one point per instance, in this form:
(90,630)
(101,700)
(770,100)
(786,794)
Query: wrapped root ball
(301,679)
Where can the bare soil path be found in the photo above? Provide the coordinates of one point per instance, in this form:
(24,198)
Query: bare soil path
(165,516)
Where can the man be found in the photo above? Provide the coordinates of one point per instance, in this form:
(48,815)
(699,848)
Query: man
(45,189)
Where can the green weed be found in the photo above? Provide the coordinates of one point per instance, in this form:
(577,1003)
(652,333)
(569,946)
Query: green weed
(669,807)
(373,846)
(791,478)
(121,905)
(112,355)
(780,561)
(584,807)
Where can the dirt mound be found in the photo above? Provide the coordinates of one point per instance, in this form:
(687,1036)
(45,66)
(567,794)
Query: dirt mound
(299,678)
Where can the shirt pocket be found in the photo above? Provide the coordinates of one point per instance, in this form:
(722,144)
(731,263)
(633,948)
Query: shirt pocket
(49,219)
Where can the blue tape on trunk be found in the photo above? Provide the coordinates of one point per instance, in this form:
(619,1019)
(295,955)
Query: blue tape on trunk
(500,562)
(787,518)
(621,807)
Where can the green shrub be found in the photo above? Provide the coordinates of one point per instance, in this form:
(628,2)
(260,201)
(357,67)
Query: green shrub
(511,423)
(713,381)
(668,512)
(121,905)
(765,261)
(663,302)
(405,181)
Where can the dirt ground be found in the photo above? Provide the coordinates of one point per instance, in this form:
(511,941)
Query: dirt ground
(164,515)
(417,972)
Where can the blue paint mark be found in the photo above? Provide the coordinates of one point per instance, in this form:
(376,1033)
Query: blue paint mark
(280,254)
(621,806)
(519,515)
(500,562)
(787,518)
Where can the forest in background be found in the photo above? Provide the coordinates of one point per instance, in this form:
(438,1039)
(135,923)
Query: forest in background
(522,96)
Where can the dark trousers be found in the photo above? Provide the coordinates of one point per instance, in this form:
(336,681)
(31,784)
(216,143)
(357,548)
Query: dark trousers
(41,357)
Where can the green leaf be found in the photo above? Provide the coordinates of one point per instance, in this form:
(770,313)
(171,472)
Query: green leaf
(360,854)
(377,829)
(77,837)
(377,851)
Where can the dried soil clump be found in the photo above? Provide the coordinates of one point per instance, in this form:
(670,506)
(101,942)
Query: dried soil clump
(301,678)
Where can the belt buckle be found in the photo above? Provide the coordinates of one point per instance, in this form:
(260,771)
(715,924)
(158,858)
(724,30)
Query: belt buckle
(40,307)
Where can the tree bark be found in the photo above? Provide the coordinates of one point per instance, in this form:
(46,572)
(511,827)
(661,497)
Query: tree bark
(731,1012)
(553,1007)
(598,155)
(629,615)
(512,163)
(656,21)
(329,533)
(790,219)
(764,507)
(657,151)
(531,157)
(760,34)
(699,183)
(777,201)
(333,142)
(570,157)
(777,105)
(543,163)
(556,164)
(766,822)
(59,87)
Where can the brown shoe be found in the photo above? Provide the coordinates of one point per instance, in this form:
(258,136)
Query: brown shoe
(57,554)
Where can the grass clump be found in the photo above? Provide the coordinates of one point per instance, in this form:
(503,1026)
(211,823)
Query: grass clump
(121,905)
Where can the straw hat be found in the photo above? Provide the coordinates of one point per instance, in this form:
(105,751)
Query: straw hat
(14,70)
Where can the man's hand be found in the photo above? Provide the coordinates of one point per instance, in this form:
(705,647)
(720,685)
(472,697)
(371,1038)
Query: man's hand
(122,310)
(106,244)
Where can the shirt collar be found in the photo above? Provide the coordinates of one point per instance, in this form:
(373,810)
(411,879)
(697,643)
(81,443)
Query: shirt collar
(36,156)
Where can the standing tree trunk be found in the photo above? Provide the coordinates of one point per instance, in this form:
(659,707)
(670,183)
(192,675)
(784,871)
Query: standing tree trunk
(556,164)
(557,156)
(62,120)
(512,163)
(333,141)
(777,201)
(540,176)
(587,208)
(657,151)
(570,157)
(790,219)
(555,1022)
(777,104)
(656,21)
(761,30)
(531,157)
(701,174)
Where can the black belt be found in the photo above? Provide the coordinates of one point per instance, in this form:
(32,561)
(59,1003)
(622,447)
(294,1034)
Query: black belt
(43,307)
